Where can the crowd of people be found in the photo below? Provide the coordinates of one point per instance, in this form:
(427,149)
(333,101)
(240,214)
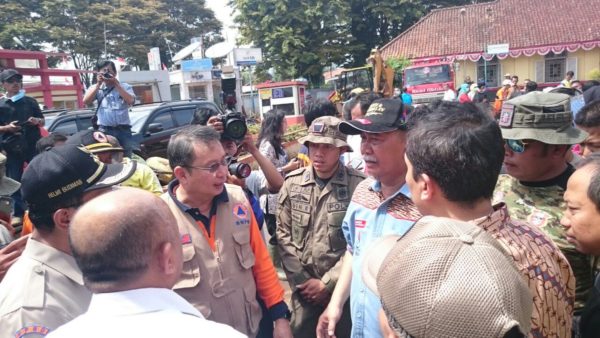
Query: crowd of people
(442,220)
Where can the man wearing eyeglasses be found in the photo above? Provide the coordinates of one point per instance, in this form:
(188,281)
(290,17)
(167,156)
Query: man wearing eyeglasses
(379,206)
(44,288)
(538,131)
(225,259)
(20,118)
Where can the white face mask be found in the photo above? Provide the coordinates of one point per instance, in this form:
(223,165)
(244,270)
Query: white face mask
(18,96)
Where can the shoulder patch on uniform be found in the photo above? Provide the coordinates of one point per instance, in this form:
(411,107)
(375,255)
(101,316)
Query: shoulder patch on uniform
(32,329)
(296,172)
(240,211)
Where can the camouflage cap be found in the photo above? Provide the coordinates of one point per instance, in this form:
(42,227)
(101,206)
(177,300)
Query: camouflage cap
(545,117)
(325,130)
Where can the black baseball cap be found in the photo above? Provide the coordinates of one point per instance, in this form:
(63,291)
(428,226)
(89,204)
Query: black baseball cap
(8,73)
(383,115)
(68,171)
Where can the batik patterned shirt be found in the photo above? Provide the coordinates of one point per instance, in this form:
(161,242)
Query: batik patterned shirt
(544,268)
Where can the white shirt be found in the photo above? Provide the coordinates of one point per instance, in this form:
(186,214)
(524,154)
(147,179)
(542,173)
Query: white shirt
(354,159)
(449,95)
(150,312)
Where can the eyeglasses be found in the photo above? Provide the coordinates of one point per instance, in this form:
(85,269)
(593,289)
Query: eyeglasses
(516,146)
(213,168)
(12,80)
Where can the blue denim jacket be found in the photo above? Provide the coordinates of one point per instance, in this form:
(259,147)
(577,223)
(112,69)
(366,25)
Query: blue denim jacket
(369,217)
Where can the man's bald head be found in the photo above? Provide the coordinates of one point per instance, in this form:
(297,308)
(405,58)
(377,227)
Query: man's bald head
(119,240)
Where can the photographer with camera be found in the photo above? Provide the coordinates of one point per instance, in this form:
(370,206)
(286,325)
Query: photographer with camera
(20,121)
(255,183)
(113,101)
(233,129)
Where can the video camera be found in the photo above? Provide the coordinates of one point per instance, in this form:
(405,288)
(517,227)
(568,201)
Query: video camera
(234,125)
(238,169)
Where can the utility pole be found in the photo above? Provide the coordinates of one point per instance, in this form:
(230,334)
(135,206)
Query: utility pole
(104,31)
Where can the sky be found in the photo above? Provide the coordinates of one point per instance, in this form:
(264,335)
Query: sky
(223,13)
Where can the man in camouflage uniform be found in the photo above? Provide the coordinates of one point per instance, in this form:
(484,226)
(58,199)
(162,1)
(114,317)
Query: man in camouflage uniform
(538,129)
(312,205)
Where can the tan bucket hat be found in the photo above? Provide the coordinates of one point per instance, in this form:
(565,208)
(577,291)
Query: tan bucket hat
(325,130)
(545,117)
(447,278)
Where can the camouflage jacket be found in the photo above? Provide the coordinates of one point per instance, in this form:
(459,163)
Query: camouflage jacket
(543,207)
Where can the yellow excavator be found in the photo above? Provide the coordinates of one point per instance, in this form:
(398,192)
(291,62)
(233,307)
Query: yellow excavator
(376,76)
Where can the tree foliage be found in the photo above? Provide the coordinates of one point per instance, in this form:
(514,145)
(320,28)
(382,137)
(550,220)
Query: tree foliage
(91,30)
(300,37)
(295,37)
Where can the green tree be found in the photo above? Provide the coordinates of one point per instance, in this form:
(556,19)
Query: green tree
(21,20)
(77,28)
(300,37)
(91,30)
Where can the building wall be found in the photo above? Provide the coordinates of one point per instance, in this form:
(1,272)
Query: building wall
(586,62)
(464,68)
(525,67)
(158,80)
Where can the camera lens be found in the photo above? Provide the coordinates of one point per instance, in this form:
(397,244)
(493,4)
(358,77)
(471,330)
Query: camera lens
(240,170)
(236,129)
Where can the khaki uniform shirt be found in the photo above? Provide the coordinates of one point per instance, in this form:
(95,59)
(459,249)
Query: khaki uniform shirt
(544,268)
(309,224)
(42,290)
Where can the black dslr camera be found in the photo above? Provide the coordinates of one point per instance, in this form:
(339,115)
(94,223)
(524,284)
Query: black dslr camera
(240,170)
(234,125)
(107,75)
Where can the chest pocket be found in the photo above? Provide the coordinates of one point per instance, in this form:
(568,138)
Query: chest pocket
(190,274)
(334,231)
(243,250)
(299,228)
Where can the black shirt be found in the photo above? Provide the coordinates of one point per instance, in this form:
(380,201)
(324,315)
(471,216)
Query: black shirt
(21,111)
(560,180)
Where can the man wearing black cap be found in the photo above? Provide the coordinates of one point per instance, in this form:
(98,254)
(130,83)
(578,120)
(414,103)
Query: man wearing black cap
(45,289)
(380,205)
(20,118)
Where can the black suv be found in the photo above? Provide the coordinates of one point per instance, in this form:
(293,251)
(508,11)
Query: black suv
(68,122)
(151,124)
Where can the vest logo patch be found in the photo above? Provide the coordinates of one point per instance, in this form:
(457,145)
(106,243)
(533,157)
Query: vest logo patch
(240,211)
(32,329)
(186,239)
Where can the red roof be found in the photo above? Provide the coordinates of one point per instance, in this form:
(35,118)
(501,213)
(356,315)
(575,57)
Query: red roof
(520,23)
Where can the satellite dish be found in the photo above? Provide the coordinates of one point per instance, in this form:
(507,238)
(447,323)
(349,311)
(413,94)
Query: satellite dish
(219,50)
(187,51)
